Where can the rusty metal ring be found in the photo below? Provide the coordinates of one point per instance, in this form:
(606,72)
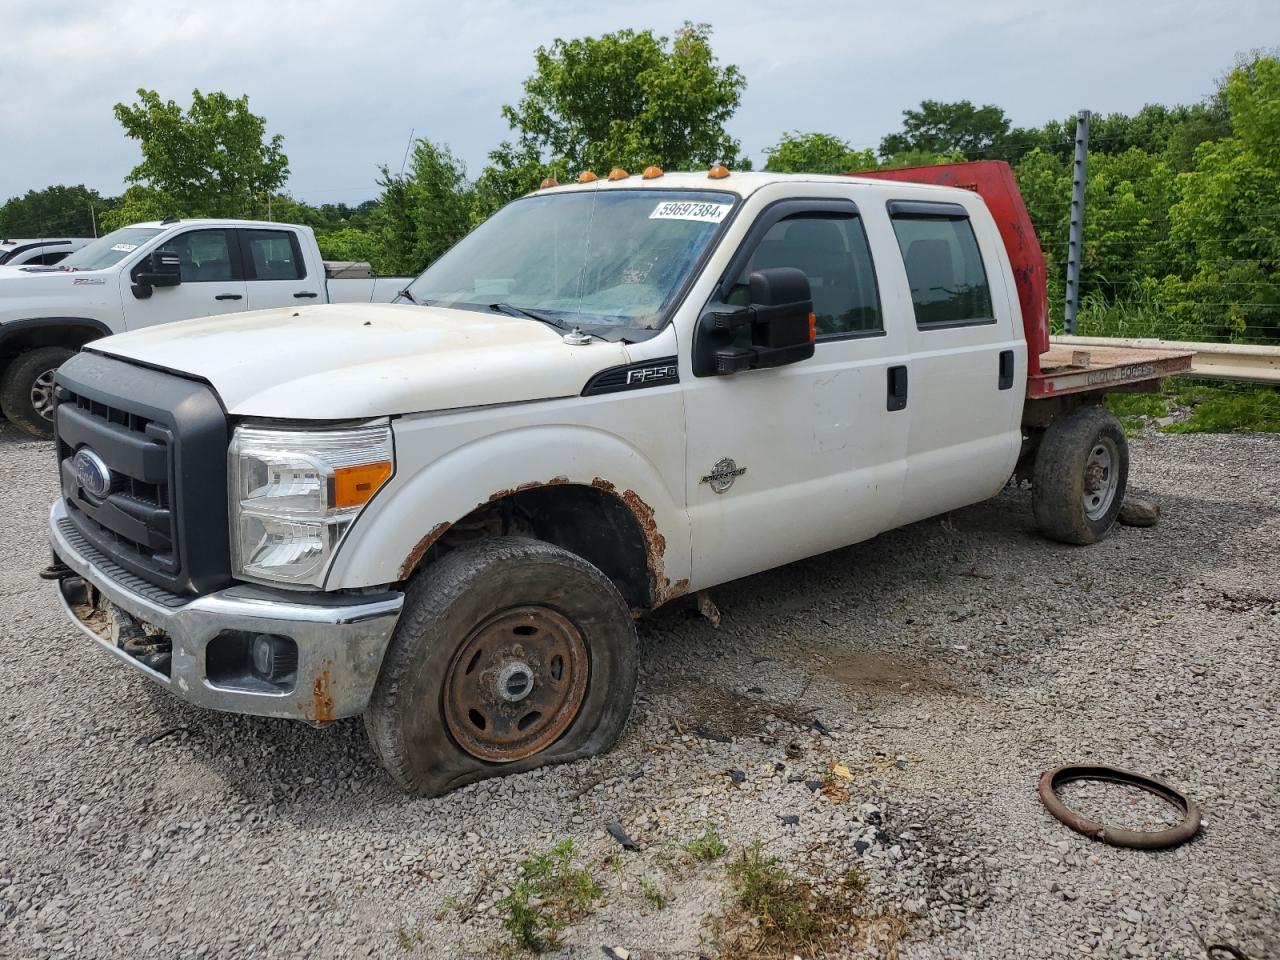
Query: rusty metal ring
(1051,780)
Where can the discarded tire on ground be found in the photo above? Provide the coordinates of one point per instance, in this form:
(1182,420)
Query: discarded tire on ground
(1118,836)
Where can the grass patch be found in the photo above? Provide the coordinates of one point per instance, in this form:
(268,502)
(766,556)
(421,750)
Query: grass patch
(707,847)
(776,914)
(653,892)
(1229,408)
(549,893)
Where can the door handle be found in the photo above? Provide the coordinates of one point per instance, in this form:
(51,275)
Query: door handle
(897,388)
(305,294)
(1006,370)
(229,296)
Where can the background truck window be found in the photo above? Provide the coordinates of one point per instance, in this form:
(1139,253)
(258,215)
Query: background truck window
(944,267)
(272,255)
(832,252)
(205,255)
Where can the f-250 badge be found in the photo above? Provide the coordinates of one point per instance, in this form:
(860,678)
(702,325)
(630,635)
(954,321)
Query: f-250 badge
(723,474)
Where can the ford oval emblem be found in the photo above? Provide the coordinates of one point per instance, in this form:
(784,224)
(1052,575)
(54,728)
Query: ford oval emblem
(92,472)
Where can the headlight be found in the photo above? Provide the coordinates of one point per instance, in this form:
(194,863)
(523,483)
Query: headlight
(294,493)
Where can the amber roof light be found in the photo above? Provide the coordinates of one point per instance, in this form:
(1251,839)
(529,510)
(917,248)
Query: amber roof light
(651,172)
(586,176)
(548,182)
(718,172)
(617,173)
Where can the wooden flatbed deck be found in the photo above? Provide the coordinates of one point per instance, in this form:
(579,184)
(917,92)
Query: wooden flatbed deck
(1067,370)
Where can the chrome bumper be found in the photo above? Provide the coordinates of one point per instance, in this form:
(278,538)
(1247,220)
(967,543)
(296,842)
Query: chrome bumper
(340,639)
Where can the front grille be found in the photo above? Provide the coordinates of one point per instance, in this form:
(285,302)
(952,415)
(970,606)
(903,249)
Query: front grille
(164,440)
(113,570)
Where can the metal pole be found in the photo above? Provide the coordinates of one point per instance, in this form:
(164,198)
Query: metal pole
(1076,238)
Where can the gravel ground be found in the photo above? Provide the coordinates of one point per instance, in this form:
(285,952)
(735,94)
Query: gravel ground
(946,664)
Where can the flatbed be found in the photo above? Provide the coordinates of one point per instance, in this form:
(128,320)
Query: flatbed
(1068,370)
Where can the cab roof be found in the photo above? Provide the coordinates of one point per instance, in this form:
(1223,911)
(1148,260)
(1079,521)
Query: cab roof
(743,184)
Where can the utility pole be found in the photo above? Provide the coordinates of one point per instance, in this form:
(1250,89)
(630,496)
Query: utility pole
(1076,237)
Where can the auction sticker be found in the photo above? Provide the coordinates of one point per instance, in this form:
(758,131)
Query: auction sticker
(690,210)
(125,247)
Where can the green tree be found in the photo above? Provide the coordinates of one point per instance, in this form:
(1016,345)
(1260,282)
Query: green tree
(626,99)
(1226,221)
(214,159)
(943,128)
(800,152)
(58,211)
(422,213)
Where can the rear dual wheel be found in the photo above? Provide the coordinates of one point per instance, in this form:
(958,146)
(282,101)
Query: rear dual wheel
(510,654)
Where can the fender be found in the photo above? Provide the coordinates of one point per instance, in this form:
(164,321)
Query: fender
(16,335)
(424,499)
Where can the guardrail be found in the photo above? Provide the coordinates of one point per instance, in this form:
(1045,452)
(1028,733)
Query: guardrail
(1215,361)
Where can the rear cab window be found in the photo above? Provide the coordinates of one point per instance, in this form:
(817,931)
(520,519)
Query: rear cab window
(949,286)
(272,255)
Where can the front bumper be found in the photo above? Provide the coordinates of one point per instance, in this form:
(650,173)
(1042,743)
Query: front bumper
(340,639)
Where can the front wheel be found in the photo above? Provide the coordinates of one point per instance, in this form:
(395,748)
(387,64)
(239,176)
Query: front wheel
(26,389)
(510,654)
(1081,470)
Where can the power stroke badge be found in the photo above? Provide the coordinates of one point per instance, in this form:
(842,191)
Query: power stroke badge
(723,474)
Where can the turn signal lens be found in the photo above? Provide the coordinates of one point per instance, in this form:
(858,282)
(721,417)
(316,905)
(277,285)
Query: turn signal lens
(586,176)
(651,171)
(813,327)
(617,173)
(718,172)
(354,486)
(548,182)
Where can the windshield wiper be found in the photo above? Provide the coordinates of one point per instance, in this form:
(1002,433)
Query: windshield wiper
(405,293)
(513,311)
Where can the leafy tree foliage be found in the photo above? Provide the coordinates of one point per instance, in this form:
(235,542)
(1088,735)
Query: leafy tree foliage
(423,213)
(800,152)
(214,159)
(942,128)
(626,99)
(58,211)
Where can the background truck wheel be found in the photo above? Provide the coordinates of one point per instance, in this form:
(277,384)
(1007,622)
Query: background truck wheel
(26,389)
(1081,469)
(510,654)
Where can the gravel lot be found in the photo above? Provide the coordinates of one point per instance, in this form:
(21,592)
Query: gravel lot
(948,663)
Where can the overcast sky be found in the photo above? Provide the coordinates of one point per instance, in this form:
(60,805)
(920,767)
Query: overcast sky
(346,82)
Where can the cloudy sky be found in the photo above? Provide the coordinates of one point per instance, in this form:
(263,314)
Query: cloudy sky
(347,82)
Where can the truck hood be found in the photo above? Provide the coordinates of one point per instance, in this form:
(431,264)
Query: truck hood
(349,361)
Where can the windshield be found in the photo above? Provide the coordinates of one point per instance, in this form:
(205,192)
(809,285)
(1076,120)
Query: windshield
(109,250)
(609,259)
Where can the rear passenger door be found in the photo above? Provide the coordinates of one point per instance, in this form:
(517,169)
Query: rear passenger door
(275,272)
(823,454)
(965,351)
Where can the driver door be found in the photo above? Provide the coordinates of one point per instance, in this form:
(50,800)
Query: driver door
(212,281)
(789,462)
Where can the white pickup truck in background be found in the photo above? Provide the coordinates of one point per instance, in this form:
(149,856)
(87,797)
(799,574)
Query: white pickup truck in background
(43,252)
(153,273)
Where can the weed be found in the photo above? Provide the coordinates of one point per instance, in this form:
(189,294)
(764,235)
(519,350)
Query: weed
(549,893)
(408,940)
(1137,404)
(1228,409)
(657,897)
(707,847)
(778,915)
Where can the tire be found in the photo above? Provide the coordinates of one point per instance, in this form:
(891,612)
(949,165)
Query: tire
(26,389)
(474,656)
(1080,474)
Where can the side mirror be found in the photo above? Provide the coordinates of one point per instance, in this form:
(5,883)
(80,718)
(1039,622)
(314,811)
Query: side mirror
(158,269)
(781,322)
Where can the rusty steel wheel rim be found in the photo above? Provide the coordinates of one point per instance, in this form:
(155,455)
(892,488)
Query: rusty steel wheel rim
(516,684)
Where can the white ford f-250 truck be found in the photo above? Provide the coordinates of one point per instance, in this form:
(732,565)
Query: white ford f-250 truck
(444,514)
(147,274)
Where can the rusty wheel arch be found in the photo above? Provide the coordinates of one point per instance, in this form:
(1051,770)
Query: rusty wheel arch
(615,531)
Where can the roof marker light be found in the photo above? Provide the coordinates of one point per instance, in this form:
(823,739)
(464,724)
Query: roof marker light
(652,171)
(718,171)
(548,182)
(586,176)
(617,173)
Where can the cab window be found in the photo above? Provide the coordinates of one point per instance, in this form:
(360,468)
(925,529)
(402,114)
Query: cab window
(944,268)
(272,255)
(832,251)
(205,255)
